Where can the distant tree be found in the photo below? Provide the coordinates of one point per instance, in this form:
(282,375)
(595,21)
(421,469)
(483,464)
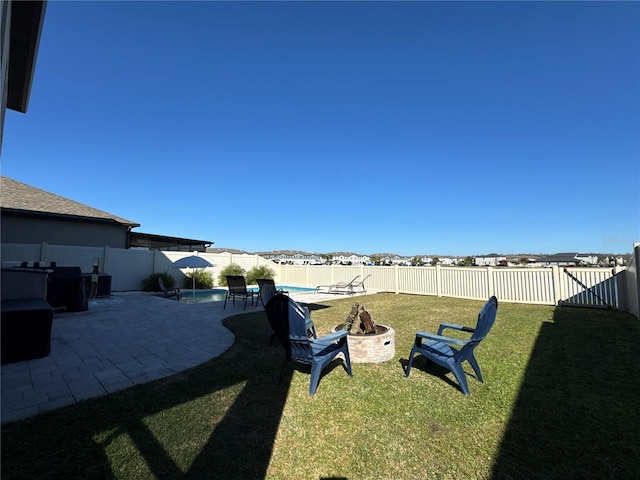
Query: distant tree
(375,260)
(416,261)
(231,269)
(435,261)
(259,272)
(151,284)
(203,279)
(468,261)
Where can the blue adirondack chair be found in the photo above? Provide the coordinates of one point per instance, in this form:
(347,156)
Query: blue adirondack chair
(294,328)
(440,351)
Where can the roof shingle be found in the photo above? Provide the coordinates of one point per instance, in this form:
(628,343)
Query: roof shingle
(19,196)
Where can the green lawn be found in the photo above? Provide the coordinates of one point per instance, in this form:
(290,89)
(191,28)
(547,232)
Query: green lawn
(561,400)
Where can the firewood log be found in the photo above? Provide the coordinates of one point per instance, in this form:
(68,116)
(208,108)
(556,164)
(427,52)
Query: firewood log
(368,325)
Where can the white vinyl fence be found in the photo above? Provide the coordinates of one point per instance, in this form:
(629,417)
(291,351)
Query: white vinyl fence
(600,287)
(127,267)
(594,287)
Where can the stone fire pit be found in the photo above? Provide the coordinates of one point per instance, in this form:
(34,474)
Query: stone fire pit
(368,342)
(372,348)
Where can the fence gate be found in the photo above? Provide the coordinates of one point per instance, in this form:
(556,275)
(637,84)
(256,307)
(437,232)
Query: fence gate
(591,288)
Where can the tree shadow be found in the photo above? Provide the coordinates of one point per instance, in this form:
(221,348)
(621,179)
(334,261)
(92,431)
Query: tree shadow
(576,414)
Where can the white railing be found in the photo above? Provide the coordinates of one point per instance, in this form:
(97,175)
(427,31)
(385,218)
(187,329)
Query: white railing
(543,286)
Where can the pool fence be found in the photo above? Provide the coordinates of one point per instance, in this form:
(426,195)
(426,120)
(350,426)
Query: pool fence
(615,288)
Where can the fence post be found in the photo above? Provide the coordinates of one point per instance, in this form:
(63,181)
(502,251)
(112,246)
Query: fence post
(44,253)
(155,268)
(490,283)
(107,258)
(619,286)
(632,281)
(438,280)
(396,279)
(558,291)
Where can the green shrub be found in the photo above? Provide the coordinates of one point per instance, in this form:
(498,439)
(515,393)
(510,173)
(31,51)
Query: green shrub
(204,280)
(259,272)
(231,269)
(150,284)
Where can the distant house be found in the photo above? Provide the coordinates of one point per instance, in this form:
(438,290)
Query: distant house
(491,260)
(349,258)
(232,251)
(447,261)
(567,260)
(31,215)
(400,260)
(292,257)
(587,258)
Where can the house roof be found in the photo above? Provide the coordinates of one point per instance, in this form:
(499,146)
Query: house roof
(227,250)
(27,18)
(19,197)
(164,242)
(559,257)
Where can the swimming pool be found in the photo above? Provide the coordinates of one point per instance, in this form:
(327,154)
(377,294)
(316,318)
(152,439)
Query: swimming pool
(218,294)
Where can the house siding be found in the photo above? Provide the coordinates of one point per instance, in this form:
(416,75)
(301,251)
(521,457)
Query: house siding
(60,231)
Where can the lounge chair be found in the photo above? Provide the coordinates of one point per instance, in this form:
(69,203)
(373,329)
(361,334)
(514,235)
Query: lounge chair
(169,292)
(342,287)
(237,287)
(352,287)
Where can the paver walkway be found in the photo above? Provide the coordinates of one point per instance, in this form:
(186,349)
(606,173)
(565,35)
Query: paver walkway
(121,341)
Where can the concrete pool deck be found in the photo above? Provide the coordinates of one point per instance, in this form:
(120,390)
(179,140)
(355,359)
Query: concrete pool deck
(121,341)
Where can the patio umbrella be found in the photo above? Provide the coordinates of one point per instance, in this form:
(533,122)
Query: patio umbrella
(192,261)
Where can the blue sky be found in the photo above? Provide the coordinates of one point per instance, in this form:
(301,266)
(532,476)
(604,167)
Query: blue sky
(459,128)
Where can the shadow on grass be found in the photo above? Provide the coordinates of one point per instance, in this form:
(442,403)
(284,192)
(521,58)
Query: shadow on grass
(234,405)
(577,413)
(420,363)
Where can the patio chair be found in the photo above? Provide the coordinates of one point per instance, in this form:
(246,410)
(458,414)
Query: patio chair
(342,287)
(297,334)
(168,292)
(438,349)
(267,289)
(237,287)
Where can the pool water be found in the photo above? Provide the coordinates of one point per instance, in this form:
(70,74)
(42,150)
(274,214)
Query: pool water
(218,294)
